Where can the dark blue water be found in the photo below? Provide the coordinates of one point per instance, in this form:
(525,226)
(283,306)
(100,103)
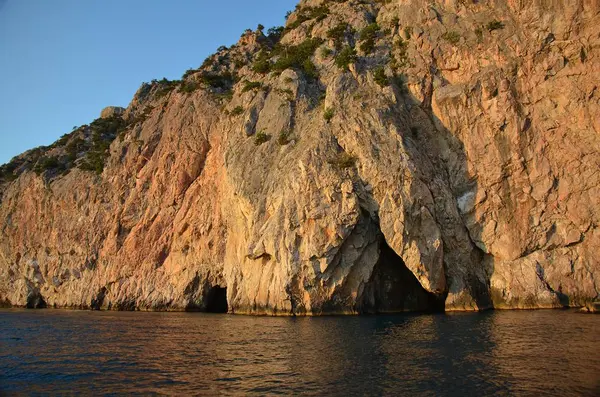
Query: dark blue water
(492,353)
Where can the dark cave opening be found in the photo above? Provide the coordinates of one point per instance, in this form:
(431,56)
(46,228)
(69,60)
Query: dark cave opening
(216,300)
(394,288)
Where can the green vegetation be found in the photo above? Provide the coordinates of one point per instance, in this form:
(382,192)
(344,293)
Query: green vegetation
(479,34)
(288,93)
(368,36)
(328,114)
(237,111)
(284,137)
(7,171)
(104,132)
(494,25)
(408,32)
(338,33)
(451,37)
(401,47)
(164,86)
(48,163)
(251,85)
(346,57)
(380,77)
(326,52)
(216,80)
(306,14)
(261,137)
(296,56)
(188,86)
(310,70)
(275,33)
(400,82)
(188,73)
(342,160)
(262,64)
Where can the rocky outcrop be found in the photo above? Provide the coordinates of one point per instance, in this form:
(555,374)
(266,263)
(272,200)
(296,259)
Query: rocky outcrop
(449,162)
(111,111)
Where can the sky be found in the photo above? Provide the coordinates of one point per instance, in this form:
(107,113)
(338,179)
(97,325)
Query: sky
(63,61)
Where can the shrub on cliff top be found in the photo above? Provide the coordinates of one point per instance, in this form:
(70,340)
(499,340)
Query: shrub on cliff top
(307,13)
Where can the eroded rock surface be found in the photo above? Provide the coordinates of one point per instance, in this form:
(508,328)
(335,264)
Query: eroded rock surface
(453,164)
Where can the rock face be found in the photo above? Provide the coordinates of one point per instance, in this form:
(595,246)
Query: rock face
(453,164)
(111,111)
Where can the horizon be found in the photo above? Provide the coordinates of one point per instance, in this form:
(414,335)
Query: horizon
(53,79)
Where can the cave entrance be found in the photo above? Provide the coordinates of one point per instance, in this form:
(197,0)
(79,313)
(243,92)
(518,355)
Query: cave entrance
(216,300)
(394,288)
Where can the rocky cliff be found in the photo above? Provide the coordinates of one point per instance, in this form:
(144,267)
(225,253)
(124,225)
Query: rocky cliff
(371,156)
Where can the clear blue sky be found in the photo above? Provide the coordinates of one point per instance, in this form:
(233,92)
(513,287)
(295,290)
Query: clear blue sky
(62,61)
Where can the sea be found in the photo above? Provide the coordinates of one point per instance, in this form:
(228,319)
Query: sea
(521,353)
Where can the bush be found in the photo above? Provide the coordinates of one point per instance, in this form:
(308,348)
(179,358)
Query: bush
(284,137)
(479,34)
(310,70)
(7,172)
(104,131)
(345,58)
(328,114)
(338,33)
(451,37)
(400,82)
(188,73)
(326,52)
(380,77)
(261,64)
(188,87)
(494,25)
(274,33)
(251,85)
(369,32)
(261,137)
(48,163)
(165,86)
(408,32)
(368,36)
(342,160)
(305,14)
(215,80)
(237,111)
(296,56)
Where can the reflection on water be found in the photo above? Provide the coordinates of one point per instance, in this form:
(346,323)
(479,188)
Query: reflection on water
(523,353)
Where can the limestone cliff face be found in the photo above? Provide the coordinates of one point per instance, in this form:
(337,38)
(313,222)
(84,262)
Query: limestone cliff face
(449,161)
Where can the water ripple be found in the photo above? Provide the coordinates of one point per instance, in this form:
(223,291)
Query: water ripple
(495,353)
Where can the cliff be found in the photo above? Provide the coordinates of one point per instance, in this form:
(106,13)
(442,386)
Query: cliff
(373,156)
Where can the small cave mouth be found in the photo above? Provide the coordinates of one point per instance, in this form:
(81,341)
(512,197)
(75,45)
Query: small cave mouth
(35,300)
(216,300)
